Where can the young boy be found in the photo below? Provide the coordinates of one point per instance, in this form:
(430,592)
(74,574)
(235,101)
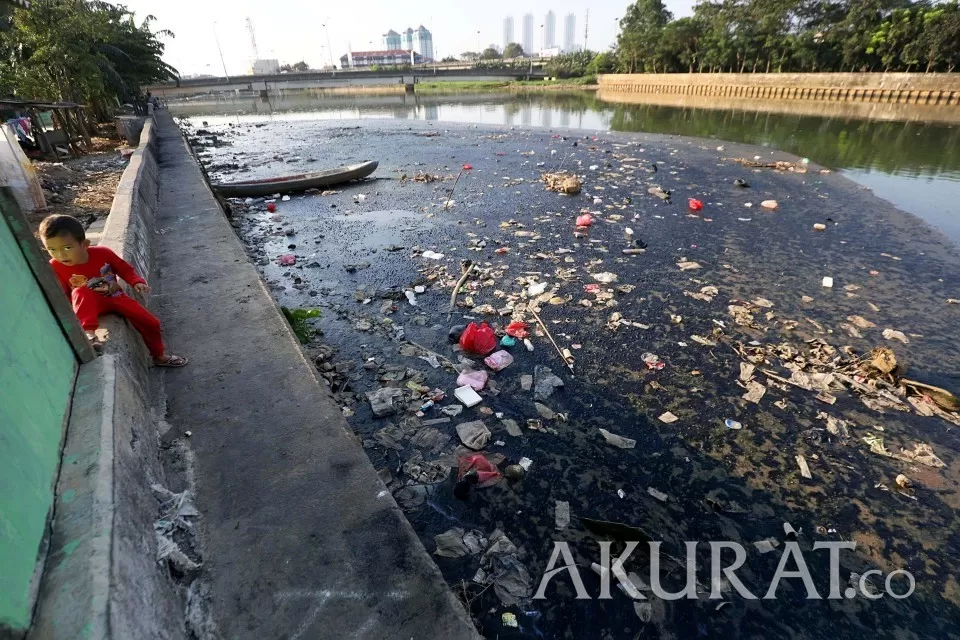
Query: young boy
(89,276)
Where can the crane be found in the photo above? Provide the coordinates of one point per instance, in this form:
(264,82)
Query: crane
(253,39)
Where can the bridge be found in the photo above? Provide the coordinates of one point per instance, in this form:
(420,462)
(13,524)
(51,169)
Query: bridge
(273,84)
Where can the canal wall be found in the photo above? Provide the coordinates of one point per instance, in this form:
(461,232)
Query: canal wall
(900,88)
(102,577)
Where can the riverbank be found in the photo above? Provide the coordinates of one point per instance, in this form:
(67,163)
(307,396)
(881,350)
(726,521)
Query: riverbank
(357,251)
(571,84)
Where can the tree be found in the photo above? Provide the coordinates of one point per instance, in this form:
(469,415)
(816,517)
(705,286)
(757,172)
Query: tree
(449,59)
(76,51)
(939,40)
(513,50)
(469,56)
(605,62)
(640,33)
(490,53)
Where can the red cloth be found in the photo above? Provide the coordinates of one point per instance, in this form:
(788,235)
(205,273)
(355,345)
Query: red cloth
(102,263)
(94,290)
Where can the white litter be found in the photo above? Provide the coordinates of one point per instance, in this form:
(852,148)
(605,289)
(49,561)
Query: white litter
(433,255)
(467,396)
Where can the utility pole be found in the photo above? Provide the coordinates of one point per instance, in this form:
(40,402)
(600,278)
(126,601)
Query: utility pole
(329,48)
(586,29)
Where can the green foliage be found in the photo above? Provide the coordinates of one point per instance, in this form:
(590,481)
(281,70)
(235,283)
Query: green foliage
(513,50)
(299,322)
(791,35)
(297,67)
(78,51)
(449,59)
(469,56)
(490,53)
(569,65)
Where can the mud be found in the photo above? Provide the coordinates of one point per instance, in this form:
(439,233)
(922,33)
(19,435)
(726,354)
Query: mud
(721,484)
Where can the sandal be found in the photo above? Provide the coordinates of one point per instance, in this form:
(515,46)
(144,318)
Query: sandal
(172,361)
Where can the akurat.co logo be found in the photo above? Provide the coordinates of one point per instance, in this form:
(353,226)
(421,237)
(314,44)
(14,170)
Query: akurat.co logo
(897,584)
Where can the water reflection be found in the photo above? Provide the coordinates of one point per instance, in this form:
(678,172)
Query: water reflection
(913,164)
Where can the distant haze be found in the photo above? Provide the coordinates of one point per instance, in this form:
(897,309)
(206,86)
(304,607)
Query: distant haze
(291,30)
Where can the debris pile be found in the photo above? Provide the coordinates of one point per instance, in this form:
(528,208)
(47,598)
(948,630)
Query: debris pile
(566,183)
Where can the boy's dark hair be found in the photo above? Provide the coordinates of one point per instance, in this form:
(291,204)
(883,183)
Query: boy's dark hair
(57,225)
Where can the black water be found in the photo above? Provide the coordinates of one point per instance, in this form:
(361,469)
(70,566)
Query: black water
(751,474)
(914,165)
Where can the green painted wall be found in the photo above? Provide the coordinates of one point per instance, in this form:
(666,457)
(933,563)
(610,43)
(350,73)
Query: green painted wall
(37,368)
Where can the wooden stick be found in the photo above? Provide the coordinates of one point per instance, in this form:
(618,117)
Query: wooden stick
(446,204)
(554,342)
(456,289)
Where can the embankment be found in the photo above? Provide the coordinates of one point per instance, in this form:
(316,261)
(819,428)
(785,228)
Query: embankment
(882,96)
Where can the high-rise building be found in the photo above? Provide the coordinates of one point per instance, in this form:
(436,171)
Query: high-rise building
(550,36)
(423,42)
(569,30)
(419,40)
(527,42)
(391,40)
(507,31)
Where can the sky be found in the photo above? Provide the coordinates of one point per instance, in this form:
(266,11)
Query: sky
(292,30)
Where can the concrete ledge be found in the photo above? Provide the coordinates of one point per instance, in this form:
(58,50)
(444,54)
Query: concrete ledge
(74,595)
(103,579)
(300,537)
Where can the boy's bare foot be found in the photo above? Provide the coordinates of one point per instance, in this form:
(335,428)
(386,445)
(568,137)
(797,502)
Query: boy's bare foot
(95,342)
(170,361)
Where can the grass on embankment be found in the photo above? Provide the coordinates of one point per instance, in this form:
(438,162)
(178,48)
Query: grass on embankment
(589,82)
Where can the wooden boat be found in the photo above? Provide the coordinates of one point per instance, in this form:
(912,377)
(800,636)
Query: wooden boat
(301,182)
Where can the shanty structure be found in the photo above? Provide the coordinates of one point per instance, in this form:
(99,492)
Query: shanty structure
(58,128)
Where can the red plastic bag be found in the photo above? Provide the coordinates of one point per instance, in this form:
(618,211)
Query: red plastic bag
(487,473)
(271,207)
(517,330)
(585,220)
(467,167)
(478,339)
(695,205)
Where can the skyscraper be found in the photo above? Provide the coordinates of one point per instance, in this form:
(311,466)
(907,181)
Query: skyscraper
(569,30)
(423,41)
(391,40)
(527,34)
(550,38)
(407,39)
(507,31)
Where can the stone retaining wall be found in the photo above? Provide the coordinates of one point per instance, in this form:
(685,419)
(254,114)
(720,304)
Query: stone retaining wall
(904,88)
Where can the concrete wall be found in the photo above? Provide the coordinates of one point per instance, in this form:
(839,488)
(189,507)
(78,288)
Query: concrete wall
(910,88)
(102,578)
(37,366)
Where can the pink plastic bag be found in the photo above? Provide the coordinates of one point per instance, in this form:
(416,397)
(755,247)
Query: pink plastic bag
(487,473)
(499,360)
(695,205)
(287,259)
(476,380)
(478,339)
(585,220)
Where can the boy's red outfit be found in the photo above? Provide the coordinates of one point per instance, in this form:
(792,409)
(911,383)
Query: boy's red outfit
(94,290)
